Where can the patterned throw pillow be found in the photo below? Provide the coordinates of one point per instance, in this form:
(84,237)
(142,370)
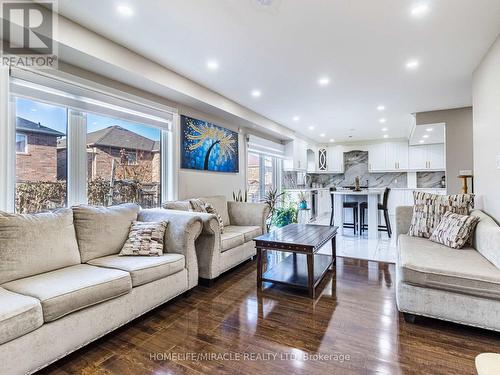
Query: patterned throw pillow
(454,230)
(145,238)
(199,205)
(429,208)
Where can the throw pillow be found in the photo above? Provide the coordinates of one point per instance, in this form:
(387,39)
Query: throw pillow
(454,230)
(429,208)
(145,238)
(199,205)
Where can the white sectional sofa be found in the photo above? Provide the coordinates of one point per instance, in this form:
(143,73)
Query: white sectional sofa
(62,284)
(218,253)
(462,286)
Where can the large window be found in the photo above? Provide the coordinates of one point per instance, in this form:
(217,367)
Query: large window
(263,174)
(78,145)
(39,128)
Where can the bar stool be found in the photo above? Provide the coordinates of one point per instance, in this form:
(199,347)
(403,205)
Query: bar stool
(382,207)
(352,205)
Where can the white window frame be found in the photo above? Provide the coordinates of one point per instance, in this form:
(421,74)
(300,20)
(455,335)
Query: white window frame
(25,151)
(277,167)
(77,135)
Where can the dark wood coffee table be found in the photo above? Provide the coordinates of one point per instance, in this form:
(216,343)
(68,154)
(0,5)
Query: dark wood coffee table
(305,268)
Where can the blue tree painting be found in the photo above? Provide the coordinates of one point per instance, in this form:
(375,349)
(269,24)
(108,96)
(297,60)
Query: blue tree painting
(206,146)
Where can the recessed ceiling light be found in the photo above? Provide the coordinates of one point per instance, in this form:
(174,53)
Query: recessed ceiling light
(323,81)
(322,135)
(384,129)
(386,135)
(212,65)
(419,10)
(381,108)
(425,136)
(332,140)
(296,118)
(412,64)
(429,129)
(311,127)
(421,141)
(125,10)
(382,120)
(256,93)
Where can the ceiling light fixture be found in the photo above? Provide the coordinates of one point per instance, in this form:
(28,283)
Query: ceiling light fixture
(419,10)
(421,141)
(332,140)
(212,65)
(429,129)
(381,108)
(296,118)
(384,129)
(382,120)
(311,127)
(323,81)
(322,135)
(386,135)
(256,93)
(412,64)
(125,10)
(425,136)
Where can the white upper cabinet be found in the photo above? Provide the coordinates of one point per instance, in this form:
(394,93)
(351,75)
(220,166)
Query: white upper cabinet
(377,157)
(428,157)
(335,159)
(322,159)
(296,155)
(388,156)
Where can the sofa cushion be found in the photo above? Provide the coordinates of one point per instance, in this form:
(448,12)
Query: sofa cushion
(429,208)
(19,315)
(454,230)
(69,289)
(177,205)
(230,240)
(35,243)
(486,239)
(219,203)
(144,270)
(429,264)
(249,232)
(102,231)
(145,239)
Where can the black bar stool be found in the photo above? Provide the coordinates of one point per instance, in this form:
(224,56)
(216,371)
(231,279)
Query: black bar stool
(382,207)
(353,205)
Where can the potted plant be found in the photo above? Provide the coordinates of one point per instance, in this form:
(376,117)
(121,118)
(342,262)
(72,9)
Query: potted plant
(302,200)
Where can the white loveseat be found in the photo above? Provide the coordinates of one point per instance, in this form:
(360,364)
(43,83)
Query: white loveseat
(461,286)
(62,284)
(218,253)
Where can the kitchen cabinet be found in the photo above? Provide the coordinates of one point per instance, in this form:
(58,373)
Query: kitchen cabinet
(296,155)
(427,157)
(322,159)
(335,159)
(324,202)
(388,156)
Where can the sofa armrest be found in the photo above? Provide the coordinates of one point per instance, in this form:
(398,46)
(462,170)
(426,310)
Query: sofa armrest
(403,219)
(244,213)
(180,236)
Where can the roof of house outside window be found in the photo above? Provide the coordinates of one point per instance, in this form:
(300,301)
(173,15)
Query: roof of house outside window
(27,126)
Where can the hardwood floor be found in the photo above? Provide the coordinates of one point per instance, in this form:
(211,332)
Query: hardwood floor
(355,321)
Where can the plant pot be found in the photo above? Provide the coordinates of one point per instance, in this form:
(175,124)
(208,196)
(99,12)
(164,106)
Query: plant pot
(303,205)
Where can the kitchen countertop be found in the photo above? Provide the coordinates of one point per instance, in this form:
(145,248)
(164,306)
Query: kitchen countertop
(375,188)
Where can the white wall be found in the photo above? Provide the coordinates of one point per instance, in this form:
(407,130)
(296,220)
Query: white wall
(486,129)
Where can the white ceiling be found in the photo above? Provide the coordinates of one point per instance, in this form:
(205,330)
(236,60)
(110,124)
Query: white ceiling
(283,48)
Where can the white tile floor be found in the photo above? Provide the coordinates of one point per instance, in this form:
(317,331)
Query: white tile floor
(349,245)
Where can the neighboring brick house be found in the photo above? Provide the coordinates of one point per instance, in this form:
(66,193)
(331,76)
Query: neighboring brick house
(36,151)
(134,156)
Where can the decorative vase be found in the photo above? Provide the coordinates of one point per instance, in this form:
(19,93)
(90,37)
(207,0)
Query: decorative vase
(303,205)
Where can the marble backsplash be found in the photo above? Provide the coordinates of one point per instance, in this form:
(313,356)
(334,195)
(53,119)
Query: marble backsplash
(356,165)
(430,179)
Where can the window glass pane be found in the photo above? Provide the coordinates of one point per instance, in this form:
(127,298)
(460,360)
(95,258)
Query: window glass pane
(123,162)
(40,183)
(253,177)
(268,173)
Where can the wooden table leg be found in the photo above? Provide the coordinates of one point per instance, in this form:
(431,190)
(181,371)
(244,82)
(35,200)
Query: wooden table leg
(310,275)
(334,251)
(259,268)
